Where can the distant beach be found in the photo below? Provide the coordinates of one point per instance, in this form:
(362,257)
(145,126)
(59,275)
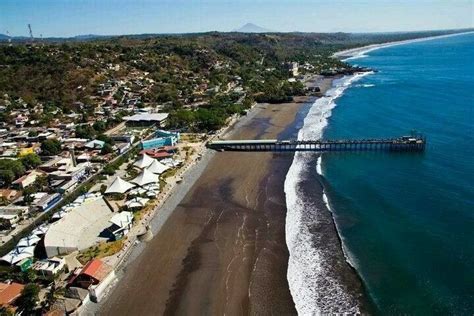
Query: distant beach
(359,52)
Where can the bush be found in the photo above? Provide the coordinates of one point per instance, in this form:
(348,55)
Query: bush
(28,299)
(51,147)
(30,161)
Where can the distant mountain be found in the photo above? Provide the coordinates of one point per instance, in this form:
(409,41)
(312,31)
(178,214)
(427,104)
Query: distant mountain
(4,37)
(87,36)
(252,28)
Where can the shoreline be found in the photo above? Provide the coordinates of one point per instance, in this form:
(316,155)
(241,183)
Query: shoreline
(180,294)
(358,52)
(261,121)
(319,270)
(216,236)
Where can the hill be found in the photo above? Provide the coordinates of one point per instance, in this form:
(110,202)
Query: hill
(252,28)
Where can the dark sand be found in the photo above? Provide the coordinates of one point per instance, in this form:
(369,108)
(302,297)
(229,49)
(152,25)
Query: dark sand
(223,249)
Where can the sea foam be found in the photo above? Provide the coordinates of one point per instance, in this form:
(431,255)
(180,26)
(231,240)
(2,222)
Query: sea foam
(313,290)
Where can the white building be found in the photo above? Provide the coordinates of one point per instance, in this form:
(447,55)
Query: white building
(80,228)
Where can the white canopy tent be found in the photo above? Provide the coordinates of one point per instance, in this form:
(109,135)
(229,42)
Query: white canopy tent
(143,162)
(157,167)
(137,191)
(122,219)
(40,230)
(18,254)
(152,187)
(119,185)
(136,202)
(28,241)
(151,194)
(145,177)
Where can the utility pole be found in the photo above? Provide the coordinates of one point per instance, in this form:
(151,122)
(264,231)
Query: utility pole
(31,33)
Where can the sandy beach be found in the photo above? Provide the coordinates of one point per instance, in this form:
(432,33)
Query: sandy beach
(360,51)
(222,250)
(222,241)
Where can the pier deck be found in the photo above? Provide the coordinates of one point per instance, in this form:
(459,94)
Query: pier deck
(405,143)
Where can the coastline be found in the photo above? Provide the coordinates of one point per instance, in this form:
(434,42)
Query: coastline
(321,277)
(359,52)
(231,239)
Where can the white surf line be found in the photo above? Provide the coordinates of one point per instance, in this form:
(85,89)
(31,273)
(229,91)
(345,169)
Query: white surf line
(360,51)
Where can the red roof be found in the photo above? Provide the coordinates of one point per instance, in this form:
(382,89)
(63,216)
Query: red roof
(9,292)
(96,269)
(162,152)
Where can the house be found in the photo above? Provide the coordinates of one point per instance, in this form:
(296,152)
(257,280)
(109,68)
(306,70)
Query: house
(293,68)
(147,119)
(12,214)
(27,179)
(48,201)
(9,195)
(9,292)
(95,144)
(94,276)
(49,267)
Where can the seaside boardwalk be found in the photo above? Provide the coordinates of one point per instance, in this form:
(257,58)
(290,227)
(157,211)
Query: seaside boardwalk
(403,144)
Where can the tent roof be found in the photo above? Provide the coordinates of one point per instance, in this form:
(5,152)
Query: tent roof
(31,240)
(18,254)
(137,202)
(157,167)
(143,162)
(122,219)
(119,185)
(145,177)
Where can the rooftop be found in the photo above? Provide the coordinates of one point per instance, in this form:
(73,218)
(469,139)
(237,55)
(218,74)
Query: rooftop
(148,117)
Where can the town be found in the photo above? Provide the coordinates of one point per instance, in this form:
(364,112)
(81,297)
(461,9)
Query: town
(95,135)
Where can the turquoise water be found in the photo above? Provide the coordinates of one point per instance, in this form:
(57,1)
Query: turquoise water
(407,220)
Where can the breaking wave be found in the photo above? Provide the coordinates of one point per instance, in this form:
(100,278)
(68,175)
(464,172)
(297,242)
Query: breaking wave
(313,290)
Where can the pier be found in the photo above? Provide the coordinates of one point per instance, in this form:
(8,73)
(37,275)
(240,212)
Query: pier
(400,144)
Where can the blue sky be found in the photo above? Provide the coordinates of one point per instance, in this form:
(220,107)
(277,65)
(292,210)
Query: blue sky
(112,17)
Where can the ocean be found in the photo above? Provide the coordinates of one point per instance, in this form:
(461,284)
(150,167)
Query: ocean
(405,220)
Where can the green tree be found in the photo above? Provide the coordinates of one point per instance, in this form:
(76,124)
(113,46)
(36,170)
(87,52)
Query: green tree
(6,177)
(106,139)
(28,194)
(99,126)
(30,161)
(41,182)
(51,147)
(85,131)
(28,299)
(107,149)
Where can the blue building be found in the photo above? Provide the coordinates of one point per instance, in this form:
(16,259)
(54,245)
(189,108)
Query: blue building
(163,138)
(162,133)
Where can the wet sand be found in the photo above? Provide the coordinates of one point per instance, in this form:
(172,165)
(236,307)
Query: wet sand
(223,248)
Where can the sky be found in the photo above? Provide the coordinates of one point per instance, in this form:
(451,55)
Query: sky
(54,18)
